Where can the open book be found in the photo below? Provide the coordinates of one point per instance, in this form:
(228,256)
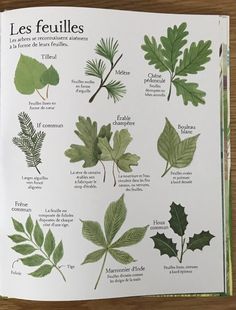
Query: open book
(115,154)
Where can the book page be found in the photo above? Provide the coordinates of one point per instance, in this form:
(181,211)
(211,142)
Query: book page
(111,154)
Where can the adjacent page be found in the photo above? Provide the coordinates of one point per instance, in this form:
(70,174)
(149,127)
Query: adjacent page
(114,135)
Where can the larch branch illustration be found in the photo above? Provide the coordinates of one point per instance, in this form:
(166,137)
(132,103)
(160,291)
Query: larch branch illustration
(31,75)
(97,147)
(29,141)
(165,56)
(108,49)
(113,220)
(178,223)
(30,239)
(177,153)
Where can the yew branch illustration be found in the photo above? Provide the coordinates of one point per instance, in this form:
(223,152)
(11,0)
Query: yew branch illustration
(97,147)
(113,220)
(30,239)
(178,223)
(29,141)
(108,49)
(177,153)
(165,56)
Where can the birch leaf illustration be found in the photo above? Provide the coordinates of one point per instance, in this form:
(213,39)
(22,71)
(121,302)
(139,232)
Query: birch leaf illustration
(113,220)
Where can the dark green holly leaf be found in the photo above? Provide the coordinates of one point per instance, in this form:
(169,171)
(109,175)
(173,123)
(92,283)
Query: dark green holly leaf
(114,218)
(29,225)
(189,92)
(173,43)
(38,235)
(154,54)
(94,256)
(17,238)
(24,249)
(34,260)
(198,241)
(121,256)
(50,76)
(49,243)
(130,237)
(42,271)
(92,231)
(194,58)
(178,221)
(165,245)
(58,253)
(18,226)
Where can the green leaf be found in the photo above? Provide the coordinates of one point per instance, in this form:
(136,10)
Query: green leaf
(17,238)
(115,90)
(154,54)
(106,149)
(173,43)
(178,221)
(167,142)
(95,68)
(38,235)
(194,58)
(49,243)
(121,140)
(198,241)
(189,92)
(50,76)
(34,260)
(114,218)
(18,226)
(58,253)
(92,231)
(94,256)
(126,161)
(27,75)
(107,48)
(29,225)
(121,256)
(130,237)
(165,245)
(42,271)
(24,249)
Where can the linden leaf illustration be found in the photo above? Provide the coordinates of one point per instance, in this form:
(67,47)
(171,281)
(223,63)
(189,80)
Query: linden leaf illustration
(198,241)
(50,76)
(177,153)
(42,247)
(164,245)
(178,221)
(114,218)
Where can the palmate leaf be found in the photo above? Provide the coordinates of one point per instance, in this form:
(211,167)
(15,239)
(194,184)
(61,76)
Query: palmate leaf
(95,68)
(115,90)
(31,241)
(114,218)
(164,245)
(173,43)
(107,48)
(198,241)
(178,221)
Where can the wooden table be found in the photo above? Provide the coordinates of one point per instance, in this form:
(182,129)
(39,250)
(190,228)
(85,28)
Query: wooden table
(224,7)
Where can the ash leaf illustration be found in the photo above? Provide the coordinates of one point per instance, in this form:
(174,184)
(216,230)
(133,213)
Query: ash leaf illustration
(177,153)
(97,147)
(198,241)
(32,241)
(107,48)
(178,223)
(29,141)
(114,218)
(165,56)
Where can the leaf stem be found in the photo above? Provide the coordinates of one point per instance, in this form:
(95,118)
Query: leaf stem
(102,83)
(103,264)
(37,169)
(47,91)
(171,79)
(40,94)
(104,171)
(113,173)
(166,169)
(182,249)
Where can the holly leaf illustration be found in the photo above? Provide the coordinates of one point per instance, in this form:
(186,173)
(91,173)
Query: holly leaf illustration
(173,43)
(50,76)
(164,245)
(178,221)
(28,75)
(32,241)
(199,241)
(114,218)
(189,91)
(194,58)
